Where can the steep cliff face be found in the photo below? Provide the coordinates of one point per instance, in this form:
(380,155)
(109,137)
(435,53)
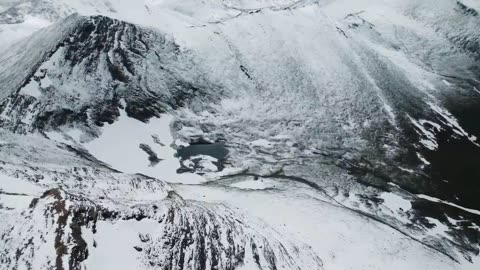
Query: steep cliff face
(240,135)
(87,70)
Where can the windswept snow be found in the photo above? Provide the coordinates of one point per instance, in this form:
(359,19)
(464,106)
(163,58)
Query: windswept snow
(395,202)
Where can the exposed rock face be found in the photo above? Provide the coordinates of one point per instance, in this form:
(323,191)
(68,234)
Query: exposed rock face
(178,234)
(96,63)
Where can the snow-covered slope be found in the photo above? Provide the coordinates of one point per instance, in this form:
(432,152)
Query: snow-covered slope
(239,134)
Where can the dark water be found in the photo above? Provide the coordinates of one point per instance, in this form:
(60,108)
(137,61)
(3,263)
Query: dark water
(216,150)
(456,163)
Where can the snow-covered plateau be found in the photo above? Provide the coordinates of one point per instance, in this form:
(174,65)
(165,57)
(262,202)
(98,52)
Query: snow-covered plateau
(240,134)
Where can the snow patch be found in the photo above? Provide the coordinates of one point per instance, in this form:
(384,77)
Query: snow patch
(203,163)
(115,243)
(429,140)
(438,228)
(433,199)
(45,82)
(452,122)
(31,89)
(395,202)
(422,159)
(17,185)
(254,184)
(262,143)
(118,145)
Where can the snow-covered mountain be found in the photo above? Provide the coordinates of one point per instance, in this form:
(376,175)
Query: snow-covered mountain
(239,134)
